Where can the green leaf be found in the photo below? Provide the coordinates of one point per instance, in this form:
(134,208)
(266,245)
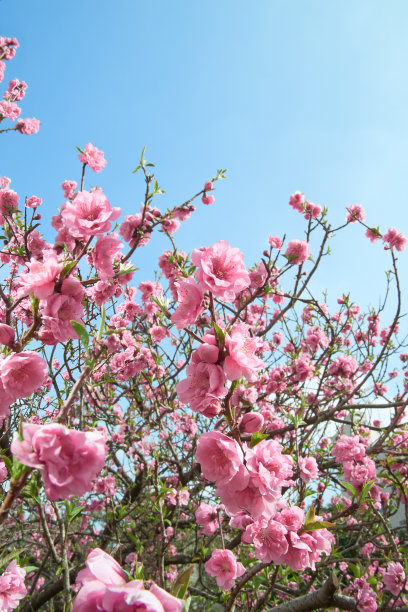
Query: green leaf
(136,169)
(30,568)
(187,604)
(82,333)
(220,334)
(13,555)
(180,586)
(310,515)
(67,268)
(317,525)
(350,488)
(365,490)
(81,151)
(257,437)
(355,569)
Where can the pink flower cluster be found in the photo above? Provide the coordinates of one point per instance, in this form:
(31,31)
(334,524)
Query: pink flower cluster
(68,459)
(103,586)
(205,382)
(208,372)
(282,540)
(394,239)
(297,202)
(12,587)
(357,467)
(20,375)
(298,251)
(224,567)
(254,486)
(93,157)
(394,578)
(221,270)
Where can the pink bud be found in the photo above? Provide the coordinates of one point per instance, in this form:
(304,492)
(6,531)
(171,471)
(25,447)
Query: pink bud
(207,200)
(6,334)
(208,186)
(251,422)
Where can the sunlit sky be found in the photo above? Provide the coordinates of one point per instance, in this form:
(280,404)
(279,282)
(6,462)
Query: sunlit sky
(288,96)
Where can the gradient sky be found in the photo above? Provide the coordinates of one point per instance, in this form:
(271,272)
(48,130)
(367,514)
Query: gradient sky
(288,95)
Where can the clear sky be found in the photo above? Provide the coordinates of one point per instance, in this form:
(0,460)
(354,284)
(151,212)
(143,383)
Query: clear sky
(288,95)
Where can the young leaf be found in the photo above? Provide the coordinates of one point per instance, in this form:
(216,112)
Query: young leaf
(180,586)
(82,333)
(317,525)
(257,437)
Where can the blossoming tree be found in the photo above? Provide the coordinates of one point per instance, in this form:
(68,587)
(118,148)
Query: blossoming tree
(202,441)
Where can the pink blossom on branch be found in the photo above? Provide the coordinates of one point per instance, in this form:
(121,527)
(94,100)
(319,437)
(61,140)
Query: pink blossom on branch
(221,270)
(12,587)
(224,567)
(298,251)
(68,459)
(93,157)
(22,373)
(89,214)
(394,239)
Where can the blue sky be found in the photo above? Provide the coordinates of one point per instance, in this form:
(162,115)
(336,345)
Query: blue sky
(288,96)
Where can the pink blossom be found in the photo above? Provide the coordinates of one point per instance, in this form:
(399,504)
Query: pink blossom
(190,297)
(22,373)
(394,578)
(241,359)
(33,202)
(106,249)
(28,126)
(168,601)
(312,210)
(221,460)
(348,448)
(208,186)
(298,251)
(344,366)
(158,333)
(316,338)
(12,588)
(269,468)
(41,277)
(303,368)
(355,213)
(8,201)
(7,334)
(224,567)
(10,110)
(308,469)
(3,471)
(208,199)
(93,157)
(359,472)
(268,538)
(251,422)
(221,270)
(207,517)
(394,238)
(59,309)
(68,459)
(69,188)
(170,226)
(275,242)
(205,382)
(89,214)
(291,517)
(296,201)
(101,566)
(373,234)
(103,586)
